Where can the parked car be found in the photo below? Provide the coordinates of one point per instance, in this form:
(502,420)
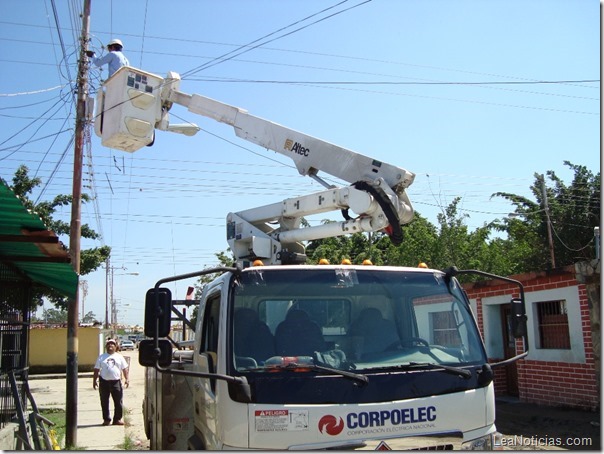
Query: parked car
(139,339)
(127,344)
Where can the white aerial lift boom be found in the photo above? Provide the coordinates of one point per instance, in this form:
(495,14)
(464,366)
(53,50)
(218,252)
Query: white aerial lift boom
(135,103)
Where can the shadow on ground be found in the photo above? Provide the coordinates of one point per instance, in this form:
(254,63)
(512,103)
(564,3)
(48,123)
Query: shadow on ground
(542,427)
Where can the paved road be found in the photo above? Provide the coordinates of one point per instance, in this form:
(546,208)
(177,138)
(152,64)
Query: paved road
(536,427)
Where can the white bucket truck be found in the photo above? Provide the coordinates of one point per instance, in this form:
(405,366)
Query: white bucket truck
(292,356)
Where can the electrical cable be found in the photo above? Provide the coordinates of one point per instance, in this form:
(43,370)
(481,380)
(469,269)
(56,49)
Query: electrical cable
(384,82)
(60,35)
(59,162)
(140,64)
(34,92)
(26,127)
(48,150)
(246,48)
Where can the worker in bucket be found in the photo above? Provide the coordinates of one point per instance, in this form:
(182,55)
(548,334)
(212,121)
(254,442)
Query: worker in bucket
(114,59)
(108,369)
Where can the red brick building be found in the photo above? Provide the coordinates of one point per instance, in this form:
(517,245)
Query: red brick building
(562,368)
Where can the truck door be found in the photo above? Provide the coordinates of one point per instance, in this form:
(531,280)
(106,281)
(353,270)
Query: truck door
(208,359)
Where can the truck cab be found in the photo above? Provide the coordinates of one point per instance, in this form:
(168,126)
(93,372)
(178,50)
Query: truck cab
(340,357)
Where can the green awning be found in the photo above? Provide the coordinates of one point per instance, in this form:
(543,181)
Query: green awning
(27,246)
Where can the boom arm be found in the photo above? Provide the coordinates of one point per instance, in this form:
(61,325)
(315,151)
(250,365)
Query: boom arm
(310,154)
(377,192)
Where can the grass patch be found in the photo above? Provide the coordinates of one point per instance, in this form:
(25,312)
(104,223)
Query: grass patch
(128,445)
(56,415)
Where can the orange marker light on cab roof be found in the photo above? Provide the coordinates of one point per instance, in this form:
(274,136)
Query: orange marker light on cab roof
(422,265)
(257,262)
(323,262)
(367,262)
(346,262)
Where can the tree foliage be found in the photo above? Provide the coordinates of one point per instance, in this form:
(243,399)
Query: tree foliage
(224,259)
(59,316)
(573,212)
(90,259)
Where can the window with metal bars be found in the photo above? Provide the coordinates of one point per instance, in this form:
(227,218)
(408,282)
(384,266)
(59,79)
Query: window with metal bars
(553,325)
(444,329)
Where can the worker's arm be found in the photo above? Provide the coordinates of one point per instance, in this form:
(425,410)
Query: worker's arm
(95,378)
(100,61)
(126,373)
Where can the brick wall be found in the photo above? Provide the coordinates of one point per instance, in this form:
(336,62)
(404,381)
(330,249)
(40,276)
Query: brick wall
(546,382)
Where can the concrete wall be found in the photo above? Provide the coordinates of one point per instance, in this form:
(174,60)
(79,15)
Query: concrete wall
(48,349)
(8,437)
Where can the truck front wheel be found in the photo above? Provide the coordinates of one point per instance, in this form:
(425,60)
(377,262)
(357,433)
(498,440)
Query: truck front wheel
(194,443)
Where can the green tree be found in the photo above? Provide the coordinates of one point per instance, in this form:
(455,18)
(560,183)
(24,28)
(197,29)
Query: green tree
(90,259)
(450,243)
(419,244)
(90,317)
(338,248)
(573,212)
(225,258)
(54,315)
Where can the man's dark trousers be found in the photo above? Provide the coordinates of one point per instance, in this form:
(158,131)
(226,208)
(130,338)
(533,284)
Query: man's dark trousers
(114,389)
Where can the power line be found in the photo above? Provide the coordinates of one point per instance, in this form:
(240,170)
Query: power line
(383,82)
(246,48)
(34,92)
(56,18)
(31,139)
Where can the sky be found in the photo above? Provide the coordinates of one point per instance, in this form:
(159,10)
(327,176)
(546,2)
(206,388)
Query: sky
(473,97)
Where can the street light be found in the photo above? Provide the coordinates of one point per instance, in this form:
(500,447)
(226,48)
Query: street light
(116,310)
(113,301)
(109,293)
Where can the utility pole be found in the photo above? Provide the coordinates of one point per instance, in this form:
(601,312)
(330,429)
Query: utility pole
(549,223)
(71,405)
(107,266)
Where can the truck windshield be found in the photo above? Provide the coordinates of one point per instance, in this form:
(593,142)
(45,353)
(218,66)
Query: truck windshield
(350,319)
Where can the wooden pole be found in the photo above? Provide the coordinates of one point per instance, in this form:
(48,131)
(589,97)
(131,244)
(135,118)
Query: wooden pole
(71,406)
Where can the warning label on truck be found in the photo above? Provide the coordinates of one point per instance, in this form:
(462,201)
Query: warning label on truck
(280,420)
(178,424)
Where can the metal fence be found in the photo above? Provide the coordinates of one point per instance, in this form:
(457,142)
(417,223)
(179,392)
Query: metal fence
(15,298)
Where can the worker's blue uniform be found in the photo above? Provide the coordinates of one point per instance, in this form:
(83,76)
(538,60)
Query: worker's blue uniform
(114,60)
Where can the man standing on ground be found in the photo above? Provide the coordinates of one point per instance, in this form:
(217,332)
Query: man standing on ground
(109,368)
(114,59)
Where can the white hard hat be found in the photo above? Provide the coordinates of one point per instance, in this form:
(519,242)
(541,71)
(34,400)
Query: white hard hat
(115,41)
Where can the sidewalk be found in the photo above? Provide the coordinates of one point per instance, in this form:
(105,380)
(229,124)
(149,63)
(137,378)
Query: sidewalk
(49,391)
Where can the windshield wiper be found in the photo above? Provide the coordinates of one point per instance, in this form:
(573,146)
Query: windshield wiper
(358,378)
(464,373)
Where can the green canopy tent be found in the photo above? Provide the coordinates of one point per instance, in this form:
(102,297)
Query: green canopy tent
(30,249)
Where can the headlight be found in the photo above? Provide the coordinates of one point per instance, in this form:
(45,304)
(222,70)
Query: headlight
(487,443)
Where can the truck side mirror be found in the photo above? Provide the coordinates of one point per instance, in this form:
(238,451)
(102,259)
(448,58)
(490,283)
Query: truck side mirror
(148,355)
(158,312)
(518,320)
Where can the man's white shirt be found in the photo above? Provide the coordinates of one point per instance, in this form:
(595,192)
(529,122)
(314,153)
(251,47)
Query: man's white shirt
(111,366)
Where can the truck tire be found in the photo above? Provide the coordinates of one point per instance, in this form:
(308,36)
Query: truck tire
(194,443)
(146,422)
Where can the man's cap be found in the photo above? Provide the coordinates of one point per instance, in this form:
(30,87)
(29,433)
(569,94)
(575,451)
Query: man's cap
(111,341)
(115,41)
